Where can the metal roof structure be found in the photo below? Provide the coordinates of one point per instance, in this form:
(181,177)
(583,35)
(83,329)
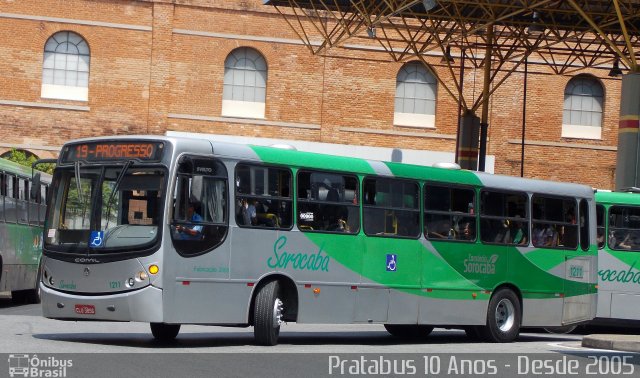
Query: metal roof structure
(565,34)
(580,30)
(497,36)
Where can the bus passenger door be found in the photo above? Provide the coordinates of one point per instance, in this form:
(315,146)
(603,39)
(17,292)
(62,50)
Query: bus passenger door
(580,274)
(197,289)
(577,305)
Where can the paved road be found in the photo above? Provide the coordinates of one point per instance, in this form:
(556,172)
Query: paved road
(117,349)
(23,325)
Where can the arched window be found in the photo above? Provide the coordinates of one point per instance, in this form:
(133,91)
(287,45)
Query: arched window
(245,84)
(65,70)
(19,154)
(583,104)
(416,93)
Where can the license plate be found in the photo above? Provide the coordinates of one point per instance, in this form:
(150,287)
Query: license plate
(84,309)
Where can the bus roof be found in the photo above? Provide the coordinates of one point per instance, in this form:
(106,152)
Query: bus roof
(274,155)
(620,198)
(10,166)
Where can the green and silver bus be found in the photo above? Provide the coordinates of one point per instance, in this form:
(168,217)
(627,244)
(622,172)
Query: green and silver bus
(173,231)
(618,231)
(22,215)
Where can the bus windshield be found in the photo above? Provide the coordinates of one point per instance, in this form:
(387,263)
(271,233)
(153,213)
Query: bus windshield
(106,209)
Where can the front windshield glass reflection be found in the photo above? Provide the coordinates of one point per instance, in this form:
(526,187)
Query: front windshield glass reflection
(105,209)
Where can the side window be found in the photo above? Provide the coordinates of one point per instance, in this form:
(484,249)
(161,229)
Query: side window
(328,202)
(624,228)
(34,207)
(600,212)
(3,193)
(391,207)
(503,218)
(449,213)
(42,204)
(263,197)
(200,213)
(10,202)
(554,222)
(585,240)
(23,200)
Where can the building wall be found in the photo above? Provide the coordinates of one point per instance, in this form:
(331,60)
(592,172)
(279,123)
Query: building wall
(158,65)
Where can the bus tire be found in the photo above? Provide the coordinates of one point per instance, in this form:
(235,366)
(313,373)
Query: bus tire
(268,314)
(504,317)
(19,297)
(409,331)
(164,332)
(33,296)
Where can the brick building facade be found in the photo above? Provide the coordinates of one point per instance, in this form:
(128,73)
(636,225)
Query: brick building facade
(159,65)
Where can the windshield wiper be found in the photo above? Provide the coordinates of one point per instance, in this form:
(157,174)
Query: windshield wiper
(78,183)
(81,200)
(125,168)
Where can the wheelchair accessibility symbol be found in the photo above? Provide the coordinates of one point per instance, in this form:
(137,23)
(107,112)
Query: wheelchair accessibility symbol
(96,239)
(391,262)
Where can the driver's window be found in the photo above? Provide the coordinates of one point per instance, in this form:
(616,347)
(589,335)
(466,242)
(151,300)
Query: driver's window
(200,215)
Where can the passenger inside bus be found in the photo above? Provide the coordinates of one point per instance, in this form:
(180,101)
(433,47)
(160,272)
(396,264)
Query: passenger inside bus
(503,235)
(443,230)
(600,237)
(629,241)
(519,234)
(191,231)
(545,235)
(569,234)
(468,231)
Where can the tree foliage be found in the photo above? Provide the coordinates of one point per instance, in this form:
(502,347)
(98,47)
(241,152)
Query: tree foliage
(21,158)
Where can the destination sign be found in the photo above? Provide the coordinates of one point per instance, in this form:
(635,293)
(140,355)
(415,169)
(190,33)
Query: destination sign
(121,150)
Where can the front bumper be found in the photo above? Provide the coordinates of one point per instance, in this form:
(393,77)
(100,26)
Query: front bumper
(144,305)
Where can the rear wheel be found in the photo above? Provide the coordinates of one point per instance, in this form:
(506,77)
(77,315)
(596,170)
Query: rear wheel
(409,331)
(33,295)
(164,332)
(503,317)
(267,314)
(19,297)
(30,296)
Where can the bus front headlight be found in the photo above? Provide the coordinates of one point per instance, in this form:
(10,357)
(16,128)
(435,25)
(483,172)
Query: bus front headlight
(142,276)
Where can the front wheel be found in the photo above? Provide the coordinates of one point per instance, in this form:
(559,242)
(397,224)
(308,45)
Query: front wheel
(268,311)
(164,332)
(503,317)
(409,331)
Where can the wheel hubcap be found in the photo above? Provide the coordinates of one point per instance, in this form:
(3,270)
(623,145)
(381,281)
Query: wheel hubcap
(505,315)
(278,306)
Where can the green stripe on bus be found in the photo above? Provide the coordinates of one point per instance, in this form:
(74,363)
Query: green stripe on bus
(434,174)
(455,276)
(312,160)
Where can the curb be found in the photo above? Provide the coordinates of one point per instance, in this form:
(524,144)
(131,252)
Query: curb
(626,343)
